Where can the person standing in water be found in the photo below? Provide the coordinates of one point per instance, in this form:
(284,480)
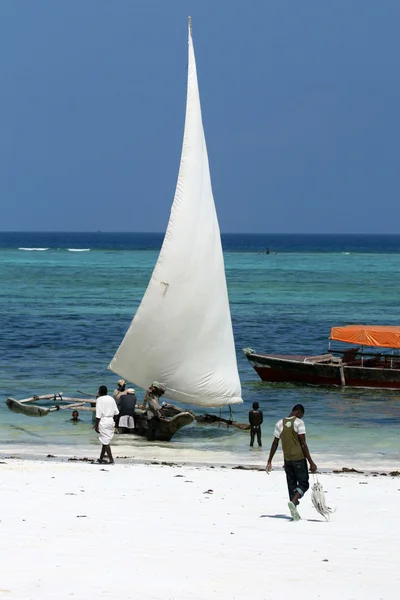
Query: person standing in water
(292,432)
(106,410)
(255,420)
(75,416)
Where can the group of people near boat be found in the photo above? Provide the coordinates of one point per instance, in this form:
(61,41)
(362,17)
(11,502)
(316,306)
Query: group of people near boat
(118,411)
(126,403)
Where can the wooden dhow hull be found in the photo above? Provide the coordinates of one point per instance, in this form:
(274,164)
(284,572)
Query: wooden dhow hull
(325,370)
(173,418)
(164,428)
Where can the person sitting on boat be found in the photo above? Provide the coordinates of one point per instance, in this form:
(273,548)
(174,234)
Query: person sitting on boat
(106,409)
(150,402)
(255,420)
(152,406)
(127,404)
(119,391)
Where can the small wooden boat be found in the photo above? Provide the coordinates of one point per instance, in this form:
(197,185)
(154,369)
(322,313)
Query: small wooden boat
(351,366)
(173,418)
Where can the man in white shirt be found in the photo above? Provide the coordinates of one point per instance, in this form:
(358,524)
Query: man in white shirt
(292,432)
(106,410)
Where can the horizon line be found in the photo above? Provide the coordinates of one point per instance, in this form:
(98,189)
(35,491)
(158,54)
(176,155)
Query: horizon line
(101,231)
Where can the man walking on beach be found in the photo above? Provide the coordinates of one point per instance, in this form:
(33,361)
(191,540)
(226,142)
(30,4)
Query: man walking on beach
(106,410)
(255,420)
(292,432)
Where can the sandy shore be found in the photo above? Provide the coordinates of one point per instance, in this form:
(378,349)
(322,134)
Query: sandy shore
(138,450)
(130,531)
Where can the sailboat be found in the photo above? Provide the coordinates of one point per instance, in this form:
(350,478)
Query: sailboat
(181,334)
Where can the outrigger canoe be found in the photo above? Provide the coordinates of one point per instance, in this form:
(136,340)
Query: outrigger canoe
(173,417)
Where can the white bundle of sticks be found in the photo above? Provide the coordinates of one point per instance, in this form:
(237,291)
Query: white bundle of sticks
(318,499)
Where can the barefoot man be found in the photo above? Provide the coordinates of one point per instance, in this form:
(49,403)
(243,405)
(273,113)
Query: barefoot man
(106,410)
(292,432)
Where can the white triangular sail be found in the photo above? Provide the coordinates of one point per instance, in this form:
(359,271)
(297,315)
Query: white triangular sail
(182,334)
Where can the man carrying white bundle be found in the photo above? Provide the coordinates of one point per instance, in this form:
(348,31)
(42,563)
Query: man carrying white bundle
(292,432)
(106,410)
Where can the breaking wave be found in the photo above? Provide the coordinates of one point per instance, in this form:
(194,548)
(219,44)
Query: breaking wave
(33,249)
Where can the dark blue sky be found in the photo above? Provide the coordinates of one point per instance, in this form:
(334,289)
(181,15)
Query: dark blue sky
(301,105)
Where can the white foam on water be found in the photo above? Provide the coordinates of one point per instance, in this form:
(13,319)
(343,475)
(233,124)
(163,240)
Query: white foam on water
(78,249)
(33,249)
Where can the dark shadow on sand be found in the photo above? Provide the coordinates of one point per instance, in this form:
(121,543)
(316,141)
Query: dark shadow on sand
(287,518)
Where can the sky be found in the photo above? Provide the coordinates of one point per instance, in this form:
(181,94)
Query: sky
(300,101)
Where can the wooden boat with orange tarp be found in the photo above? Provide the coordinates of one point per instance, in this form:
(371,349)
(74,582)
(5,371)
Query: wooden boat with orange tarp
(352,366)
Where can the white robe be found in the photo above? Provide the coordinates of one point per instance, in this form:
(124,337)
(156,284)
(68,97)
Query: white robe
(106,430)
(106,410)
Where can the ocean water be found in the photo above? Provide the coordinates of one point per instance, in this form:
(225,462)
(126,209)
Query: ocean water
(67,299)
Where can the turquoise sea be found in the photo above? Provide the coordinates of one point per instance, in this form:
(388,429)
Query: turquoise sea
(67,299)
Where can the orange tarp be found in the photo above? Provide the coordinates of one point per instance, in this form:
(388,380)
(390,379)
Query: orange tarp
(384,336)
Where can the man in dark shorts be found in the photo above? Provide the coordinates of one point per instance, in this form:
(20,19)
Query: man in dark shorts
(292,432)
(255,420)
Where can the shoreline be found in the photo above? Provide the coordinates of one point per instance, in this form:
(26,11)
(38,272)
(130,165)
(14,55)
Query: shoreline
(124,462)
(156,454)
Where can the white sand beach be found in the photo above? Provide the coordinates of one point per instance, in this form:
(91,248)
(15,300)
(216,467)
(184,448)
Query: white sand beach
(130,531)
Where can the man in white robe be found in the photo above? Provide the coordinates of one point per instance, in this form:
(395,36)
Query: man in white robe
(106,410)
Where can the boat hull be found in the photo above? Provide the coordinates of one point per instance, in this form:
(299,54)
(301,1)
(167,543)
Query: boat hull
(173,418)
(30,410)
(301,369)
(165,428)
